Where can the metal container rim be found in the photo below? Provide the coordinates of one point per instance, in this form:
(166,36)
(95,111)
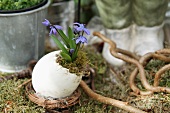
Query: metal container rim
(26,12)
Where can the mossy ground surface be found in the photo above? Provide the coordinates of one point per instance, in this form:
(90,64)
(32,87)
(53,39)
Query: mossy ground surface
(14,100)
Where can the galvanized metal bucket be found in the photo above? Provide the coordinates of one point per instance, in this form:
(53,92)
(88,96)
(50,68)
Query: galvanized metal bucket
(22,38)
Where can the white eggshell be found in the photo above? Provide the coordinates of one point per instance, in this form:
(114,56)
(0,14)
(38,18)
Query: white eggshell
(50,79)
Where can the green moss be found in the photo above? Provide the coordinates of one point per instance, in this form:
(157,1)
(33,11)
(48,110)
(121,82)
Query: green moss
(96,60)
(14,100)
(17,4)
(79,66)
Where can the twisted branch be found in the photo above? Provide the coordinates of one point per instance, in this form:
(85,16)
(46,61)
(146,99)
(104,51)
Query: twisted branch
(110,101)
(163,51)
(127,59)
(139,64)
(159,73)
(150,89)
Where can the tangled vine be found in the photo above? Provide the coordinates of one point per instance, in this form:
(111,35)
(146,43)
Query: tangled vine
(140,63)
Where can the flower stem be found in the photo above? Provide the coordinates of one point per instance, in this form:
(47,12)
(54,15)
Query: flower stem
(75,52)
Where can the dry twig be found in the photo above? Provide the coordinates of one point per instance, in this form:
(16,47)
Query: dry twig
(139,64)
(110,101)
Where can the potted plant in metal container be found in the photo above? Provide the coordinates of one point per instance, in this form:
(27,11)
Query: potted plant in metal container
(58,74)
(22,34)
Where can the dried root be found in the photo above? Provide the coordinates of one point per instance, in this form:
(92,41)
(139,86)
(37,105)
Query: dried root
(130,58)
(110,101)
(140,63)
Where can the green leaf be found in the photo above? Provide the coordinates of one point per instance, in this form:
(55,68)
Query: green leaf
(71,40)
(64,38)
(66,56)
(74,56)
(59,44)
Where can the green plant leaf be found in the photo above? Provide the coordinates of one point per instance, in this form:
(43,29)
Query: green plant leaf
(66,56)
(74,56)
(64,38)
(59,44)
(71,40)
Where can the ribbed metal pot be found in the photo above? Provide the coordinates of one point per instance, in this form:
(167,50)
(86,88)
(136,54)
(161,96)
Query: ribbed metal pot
(22,38)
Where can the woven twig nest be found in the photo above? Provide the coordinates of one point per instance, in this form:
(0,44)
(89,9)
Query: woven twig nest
(52,104)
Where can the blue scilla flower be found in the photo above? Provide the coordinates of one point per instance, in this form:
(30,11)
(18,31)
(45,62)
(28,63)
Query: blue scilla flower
(46,22)
(81,39)
(53,28)
(80,27)
(71,51)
